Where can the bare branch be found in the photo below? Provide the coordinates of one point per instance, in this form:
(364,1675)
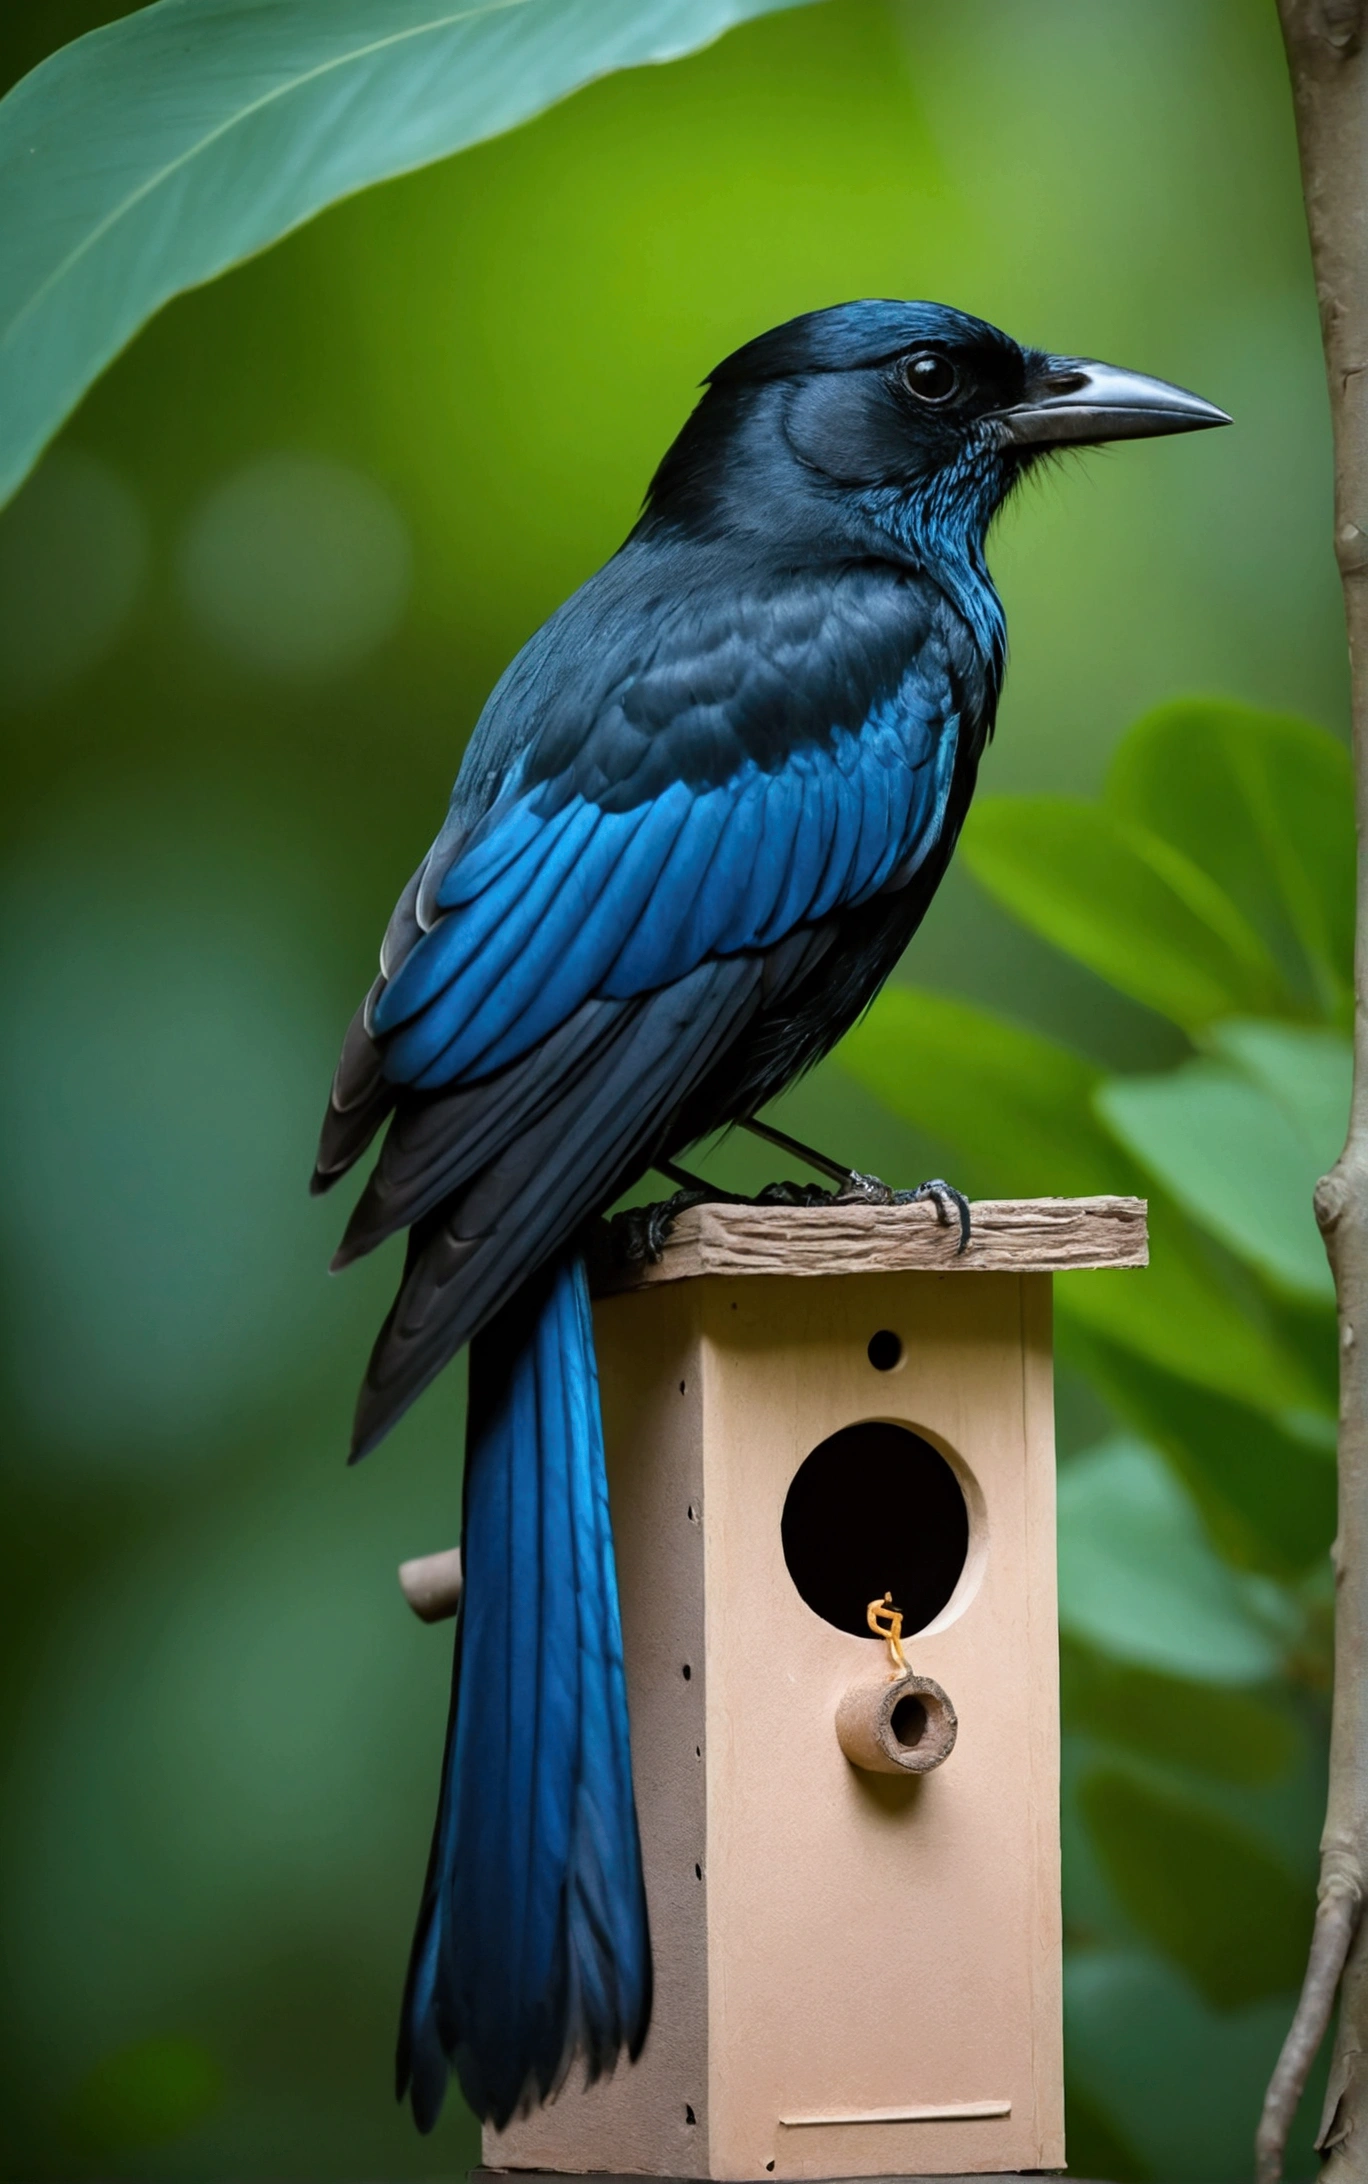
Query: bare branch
(1337,1916)
(1329,71)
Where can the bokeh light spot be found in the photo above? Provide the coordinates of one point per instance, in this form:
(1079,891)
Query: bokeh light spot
(297,566)
(73,555)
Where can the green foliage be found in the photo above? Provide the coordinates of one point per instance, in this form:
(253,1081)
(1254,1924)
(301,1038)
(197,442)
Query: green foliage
(1233,1138)
(1213,882)
(156,152)
(1020,1113)
(1231,1735)
(1216,877)
(1266,1492)
(145,2095)
(1096,2146)
(1138,1580)
(1205,1891)
(1124,901)
(1264,805)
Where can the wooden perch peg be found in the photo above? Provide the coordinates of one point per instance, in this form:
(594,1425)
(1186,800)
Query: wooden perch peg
(905,1727)
(432,1584)
(901,1723)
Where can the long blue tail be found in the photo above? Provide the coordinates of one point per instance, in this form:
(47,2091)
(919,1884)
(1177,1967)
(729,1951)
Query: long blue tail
(532,1946)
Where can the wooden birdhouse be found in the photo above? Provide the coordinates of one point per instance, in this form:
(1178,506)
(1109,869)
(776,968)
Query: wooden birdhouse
(831,1453)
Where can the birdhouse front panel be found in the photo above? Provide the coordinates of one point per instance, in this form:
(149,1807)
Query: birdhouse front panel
(884,1947)
(833,1497)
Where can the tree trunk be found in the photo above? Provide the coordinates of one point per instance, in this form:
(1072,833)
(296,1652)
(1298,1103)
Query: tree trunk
(1329,68)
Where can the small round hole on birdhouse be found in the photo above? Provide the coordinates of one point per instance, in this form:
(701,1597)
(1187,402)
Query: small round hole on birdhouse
(875,1509)
(885,1350)
(909,1722)
(686,1672)
(689,2116)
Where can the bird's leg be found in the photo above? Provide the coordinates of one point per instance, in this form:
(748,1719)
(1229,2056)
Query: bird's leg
(869,1190)
(806,1153)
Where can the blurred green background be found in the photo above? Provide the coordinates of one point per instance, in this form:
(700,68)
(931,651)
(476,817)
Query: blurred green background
(250,606)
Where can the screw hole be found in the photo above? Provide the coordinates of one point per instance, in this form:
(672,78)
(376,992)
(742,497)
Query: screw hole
(885,1350)
(698,1751)
(698,1872)
(693,1512)
(769,2164)
(686,1672)
(689,2116)
(681,1387)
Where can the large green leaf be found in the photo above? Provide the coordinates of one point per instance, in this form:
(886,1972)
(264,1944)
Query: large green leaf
(1310,1074)
(1265,1490)
(1184,1315)
(156,152)
(1264,804)
(1240,1143)
(1016,1109)
(1182,2082)
(1232,1735)
(1205,1892)
(1138,1581)
(1120,898)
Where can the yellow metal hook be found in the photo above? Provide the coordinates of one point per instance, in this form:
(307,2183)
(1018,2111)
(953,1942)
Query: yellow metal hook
(886,1622)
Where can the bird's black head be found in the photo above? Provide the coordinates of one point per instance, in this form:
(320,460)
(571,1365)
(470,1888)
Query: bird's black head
(900,412)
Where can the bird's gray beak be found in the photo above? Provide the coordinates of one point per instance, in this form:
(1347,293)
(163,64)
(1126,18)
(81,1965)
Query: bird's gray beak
(1070,400)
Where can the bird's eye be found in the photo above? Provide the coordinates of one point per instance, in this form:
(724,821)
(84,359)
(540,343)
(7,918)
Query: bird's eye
(930,376)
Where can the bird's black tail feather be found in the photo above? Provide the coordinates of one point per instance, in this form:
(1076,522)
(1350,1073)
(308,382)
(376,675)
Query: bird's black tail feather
(532,1949)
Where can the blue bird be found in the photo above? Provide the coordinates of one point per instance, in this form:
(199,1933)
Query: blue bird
(701,816)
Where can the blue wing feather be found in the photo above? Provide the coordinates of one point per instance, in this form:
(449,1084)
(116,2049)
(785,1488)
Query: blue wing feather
(557,899)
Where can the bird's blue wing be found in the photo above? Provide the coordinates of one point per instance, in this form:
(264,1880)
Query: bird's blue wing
(555,900)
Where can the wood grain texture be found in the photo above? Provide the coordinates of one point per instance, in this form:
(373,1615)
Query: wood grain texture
(1009,1236)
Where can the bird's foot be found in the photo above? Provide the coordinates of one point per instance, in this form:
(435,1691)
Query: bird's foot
(638,1234)
(951,1205)
(867,1190)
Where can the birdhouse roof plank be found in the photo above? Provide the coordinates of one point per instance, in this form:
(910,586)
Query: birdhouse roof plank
(1008,1235)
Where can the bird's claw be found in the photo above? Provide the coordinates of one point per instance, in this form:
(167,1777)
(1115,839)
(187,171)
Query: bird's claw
(950,1205)
(639,1233)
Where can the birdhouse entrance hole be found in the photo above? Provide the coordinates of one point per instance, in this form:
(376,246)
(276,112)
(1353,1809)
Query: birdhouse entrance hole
(876,1509)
